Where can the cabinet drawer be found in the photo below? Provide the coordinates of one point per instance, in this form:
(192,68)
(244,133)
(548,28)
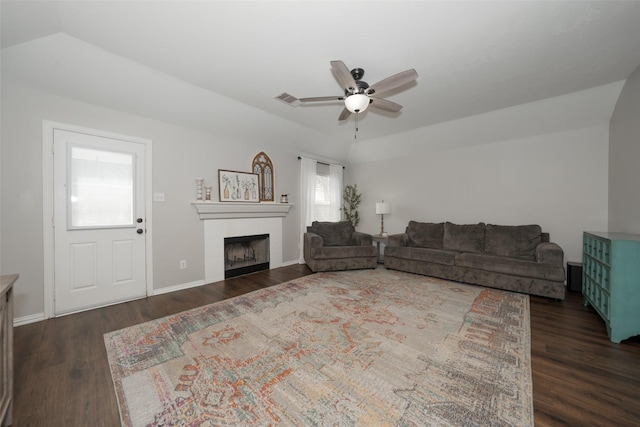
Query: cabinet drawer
(601,275)
(588,267)
(601,303)
(598,249)
(599,272)
(587,287)
(597,296)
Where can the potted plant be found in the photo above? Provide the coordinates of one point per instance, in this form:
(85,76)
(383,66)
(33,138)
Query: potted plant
(351,199)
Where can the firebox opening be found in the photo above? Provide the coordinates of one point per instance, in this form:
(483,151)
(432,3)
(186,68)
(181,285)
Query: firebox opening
(245,254)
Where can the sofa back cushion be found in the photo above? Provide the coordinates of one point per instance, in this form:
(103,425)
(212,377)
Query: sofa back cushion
(464,238)
(425,234)
(516,241)
(334,233)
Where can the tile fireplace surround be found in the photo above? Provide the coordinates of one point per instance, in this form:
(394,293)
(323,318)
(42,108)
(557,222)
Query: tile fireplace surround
(238,219)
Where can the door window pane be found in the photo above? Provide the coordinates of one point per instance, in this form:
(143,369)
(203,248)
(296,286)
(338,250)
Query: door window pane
(101,188)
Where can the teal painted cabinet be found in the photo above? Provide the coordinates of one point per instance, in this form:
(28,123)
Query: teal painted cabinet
(611,281)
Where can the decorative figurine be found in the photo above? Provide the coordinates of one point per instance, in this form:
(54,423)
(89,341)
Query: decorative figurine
(199,182)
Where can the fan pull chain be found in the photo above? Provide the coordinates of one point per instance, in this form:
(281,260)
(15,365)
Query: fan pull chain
(355,135)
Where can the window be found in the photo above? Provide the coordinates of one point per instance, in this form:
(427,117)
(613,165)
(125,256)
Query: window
(323,202)
(328,193)
(320,195)
(101,190)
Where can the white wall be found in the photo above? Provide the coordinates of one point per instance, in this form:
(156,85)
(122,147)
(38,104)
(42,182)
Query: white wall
(179,156)
(624,157)
(540,163)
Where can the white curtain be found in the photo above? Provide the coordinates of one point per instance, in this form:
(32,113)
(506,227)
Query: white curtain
(335,194)
(307,198)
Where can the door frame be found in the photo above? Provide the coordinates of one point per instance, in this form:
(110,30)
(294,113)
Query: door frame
(48,127)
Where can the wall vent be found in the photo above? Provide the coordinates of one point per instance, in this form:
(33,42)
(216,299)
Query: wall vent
(288,99)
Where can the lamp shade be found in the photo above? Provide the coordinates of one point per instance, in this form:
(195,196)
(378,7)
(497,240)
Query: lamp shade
(383,208)
(356,103)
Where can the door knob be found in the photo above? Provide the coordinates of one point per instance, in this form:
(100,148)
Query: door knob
(139,231)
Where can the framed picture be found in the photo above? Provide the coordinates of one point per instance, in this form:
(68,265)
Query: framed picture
(263,166)
(238,186)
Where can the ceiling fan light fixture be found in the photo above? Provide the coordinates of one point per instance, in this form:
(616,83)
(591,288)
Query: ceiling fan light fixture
(356,103)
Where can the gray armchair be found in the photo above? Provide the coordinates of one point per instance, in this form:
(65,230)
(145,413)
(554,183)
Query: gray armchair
(337,246)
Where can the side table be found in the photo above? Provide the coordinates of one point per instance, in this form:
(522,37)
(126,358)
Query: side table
(574,276)
(381,242)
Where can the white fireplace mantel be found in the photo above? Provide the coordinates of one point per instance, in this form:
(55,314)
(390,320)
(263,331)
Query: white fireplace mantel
(216,210)
(222,220)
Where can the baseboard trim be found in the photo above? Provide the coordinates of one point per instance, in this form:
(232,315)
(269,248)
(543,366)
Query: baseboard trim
(288,263)
(25,320)
(179,287)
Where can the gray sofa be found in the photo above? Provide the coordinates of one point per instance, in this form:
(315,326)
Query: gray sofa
(514,258)
(337,246)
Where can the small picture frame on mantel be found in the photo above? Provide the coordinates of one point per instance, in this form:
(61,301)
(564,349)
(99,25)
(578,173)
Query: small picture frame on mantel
(237,186)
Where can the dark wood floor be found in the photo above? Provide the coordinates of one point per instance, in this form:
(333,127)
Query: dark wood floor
(62,377)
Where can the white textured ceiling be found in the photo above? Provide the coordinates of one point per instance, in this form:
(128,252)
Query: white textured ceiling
(471,57)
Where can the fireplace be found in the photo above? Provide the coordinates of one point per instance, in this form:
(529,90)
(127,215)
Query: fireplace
(222,220)
(245,254)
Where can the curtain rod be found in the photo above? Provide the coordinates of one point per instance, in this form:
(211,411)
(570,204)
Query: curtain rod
(322,163)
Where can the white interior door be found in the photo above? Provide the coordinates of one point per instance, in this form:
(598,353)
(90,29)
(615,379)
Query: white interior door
(99,220)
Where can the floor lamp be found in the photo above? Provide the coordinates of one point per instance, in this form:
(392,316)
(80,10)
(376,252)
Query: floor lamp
(381,209)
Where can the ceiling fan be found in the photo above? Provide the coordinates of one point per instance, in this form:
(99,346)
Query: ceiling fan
(358,95)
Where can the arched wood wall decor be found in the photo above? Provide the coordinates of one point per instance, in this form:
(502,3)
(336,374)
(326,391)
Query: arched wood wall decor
(263,166)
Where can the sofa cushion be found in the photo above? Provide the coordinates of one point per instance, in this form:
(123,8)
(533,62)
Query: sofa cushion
(518,241)
(511,266)
(425,234)
(464,238)
(436,256)
(333,252)
(334,233)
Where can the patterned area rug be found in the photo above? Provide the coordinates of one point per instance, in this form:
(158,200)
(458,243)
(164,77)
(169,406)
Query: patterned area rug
(368,348)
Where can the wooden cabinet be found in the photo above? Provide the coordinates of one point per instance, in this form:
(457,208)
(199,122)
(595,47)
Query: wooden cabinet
(6,350)
(611,281)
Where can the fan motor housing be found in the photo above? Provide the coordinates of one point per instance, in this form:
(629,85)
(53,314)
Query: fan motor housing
(357,73)
(361,87)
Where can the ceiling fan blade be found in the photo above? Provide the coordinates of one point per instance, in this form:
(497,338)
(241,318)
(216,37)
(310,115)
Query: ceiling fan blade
(344,115)
(322,98)
(393,82)
(343,75)
(386,105)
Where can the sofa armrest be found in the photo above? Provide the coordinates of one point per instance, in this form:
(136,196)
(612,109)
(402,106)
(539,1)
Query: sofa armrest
(550,253)
(401,239)
(313,240)
(362,239)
